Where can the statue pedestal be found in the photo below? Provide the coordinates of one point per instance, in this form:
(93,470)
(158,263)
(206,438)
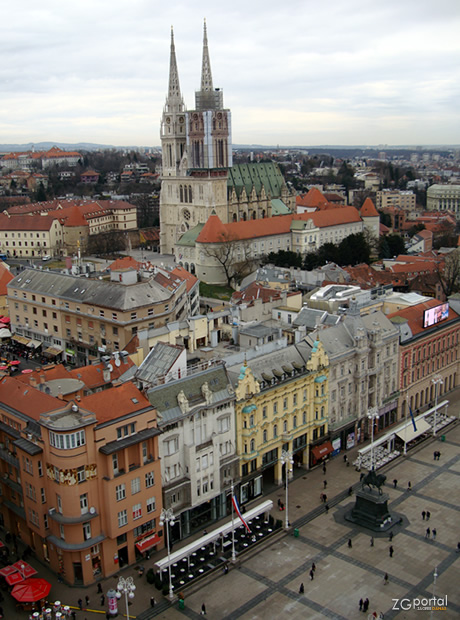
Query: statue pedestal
(371,511)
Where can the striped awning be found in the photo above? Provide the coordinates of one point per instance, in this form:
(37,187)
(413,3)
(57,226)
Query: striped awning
(21,339)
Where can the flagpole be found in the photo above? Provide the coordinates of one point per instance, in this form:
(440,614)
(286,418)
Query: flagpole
(233,529)
(405,432)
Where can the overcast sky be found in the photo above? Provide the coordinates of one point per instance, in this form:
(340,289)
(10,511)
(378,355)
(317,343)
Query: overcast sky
(299,72)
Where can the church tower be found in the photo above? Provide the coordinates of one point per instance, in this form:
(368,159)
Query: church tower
(196,155)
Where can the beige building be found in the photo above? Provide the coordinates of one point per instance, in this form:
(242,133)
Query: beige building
(396,198)
(84,317)
(30,236)
(444,198)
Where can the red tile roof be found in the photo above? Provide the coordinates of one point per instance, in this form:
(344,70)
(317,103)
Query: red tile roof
(190,279)
(127,262)
(116,402)
(368,209)
(314,198)
(414,315)
(26,222)
(28,400)
(5,277)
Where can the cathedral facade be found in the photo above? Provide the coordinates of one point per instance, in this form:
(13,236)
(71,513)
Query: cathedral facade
(198,176)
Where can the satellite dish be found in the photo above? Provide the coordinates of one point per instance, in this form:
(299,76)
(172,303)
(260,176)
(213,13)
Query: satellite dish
(92,510)
(110,367)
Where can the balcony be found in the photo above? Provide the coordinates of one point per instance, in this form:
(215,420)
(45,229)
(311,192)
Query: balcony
(7,456)
(82,518)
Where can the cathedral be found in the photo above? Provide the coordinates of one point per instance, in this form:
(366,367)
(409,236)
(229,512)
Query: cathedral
(198,176)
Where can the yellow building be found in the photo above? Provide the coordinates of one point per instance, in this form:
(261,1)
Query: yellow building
(281,404)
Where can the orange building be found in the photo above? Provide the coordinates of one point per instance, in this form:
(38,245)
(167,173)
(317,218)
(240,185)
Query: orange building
(80,476)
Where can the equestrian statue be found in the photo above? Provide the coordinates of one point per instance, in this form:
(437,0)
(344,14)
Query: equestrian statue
(372,479)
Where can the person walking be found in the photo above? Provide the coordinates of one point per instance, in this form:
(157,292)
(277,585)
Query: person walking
(391,550)
(391,536)
(350,544)
(203,609)
(99,588)
(361,603)
(301,589)
(80,604)
(102,600)
(87,600)
(312,575)
(423,515)
(366,605)
(395,483)
(327,508)
(152,602)
(428,532)
(433,533)
(325,484)
(385,579)
(313,566)
(428,515)
(324,468)
(409,486)
(372,541)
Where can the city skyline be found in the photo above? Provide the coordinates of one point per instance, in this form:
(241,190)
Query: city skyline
(343,74)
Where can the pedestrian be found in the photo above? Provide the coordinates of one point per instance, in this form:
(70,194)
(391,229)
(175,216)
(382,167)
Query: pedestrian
(428,515)
(423,515)
(435,455)
(345,458)
(395,483)
(433,533)
(385,579)
(102,600)
(324,497)
(391,536)
(205,532)
(409,486)
(439,455)
(203,609)
(350,491)
(80,604)
(324,468)
(313,566)
(99,588)
(458,547)
(428,532)
(391,551)
(372,541)
(327,508)
(350,544)
(325,484)
(312,575)
(87,600)
(279,503)
(301,589)
(152,602)
(361,603)
(366,605)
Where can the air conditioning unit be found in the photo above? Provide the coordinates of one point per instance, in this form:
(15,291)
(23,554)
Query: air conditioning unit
(51,511)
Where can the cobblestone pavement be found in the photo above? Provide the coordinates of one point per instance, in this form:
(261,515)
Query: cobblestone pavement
(265,583)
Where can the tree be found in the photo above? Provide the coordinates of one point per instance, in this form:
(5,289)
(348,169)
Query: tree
(391,245)
(449,275)
(233,254)
(41,194)
(353,250)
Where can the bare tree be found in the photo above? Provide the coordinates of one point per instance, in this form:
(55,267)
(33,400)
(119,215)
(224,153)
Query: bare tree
(233,254)
(449,275)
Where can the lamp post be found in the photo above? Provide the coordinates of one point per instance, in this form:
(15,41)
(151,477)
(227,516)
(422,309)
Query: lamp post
(287,461)
(372,414)
(167,516)
(126,586)
(435,574)
(436,380)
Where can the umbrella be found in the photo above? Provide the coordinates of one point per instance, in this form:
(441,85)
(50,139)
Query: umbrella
(4,367)
(25,569)
(14,578)
(26,371)
(15,363)
(8,570)
(31,590)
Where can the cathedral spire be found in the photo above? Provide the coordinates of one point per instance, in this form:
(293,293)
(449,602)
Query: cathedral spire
(206,75)
(174,95)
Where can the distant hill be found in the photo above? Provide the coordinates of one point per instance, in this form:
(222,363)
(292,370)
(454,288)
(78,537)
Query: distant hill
(45,146)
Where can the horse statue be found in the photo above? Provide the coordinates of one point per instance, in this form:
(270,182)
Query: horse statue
(372,479)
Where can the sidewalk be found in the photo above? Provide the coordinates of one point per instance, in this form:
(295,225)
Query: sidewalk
(304,497)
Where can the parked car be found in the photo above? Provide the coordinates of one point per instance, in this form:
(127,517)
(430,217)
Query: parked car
(46,257)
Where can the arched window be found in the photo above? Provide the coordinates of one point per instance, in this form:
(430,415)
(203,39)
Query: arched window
(294,422)
(265,436)
(275,430)
(181,193)
(190,193)
(253,445)
(285,426)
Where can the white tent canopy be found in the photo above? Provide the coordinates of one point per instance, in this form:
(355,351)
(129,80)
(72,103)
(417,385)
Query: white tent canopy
(213,536)
(408,433)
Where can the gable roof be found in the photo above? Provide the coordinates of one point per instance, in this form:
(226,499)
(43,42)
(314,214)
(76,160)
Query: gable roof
(368,209)
(116,402)
(265,175)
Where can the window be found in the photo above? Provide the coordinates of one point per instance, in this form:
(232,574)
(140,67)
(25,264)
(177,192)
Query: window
(137,511)
(59,504)
(275,408)
(67,441)
(275,431)
(126,430)
(84,503)
(115,463)
(264,412)
(224,424)
(149,479)
(61,531)
(45,521)
(43,495)
(120,491)
(133,316)
(87,531)
(294,399)
(171,446)
(135,485)
(151,504)
(122,518)
(285,403)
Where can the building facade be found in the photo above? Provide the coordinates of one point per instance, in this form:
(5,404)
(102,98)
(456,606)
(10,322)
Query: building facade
(444,198)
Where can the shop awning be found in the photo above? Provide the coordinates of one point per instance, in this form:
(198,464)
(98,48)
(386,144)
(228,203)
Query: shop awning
(34,344)
(147,543)
(319,452)
(21,340)
(408,433)
(5,332)
(52,351)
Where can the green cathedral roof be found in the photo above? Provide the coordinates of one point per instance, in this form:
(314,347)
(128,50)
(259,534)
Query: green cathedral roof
(247,176)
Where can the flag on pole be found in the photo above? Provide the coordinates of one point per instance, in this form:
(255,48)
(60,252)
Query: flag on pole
(238,512)
(412,418)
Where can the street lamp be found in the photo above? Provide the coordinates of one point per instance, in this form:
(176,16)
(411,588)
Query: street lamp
(435,574)
(372,414)
(287,461)
(167,516)
(126,586)
(436,380)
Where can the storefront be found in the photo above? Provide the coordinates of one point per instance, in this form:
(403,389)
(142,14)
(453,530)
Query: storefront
(320,452)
